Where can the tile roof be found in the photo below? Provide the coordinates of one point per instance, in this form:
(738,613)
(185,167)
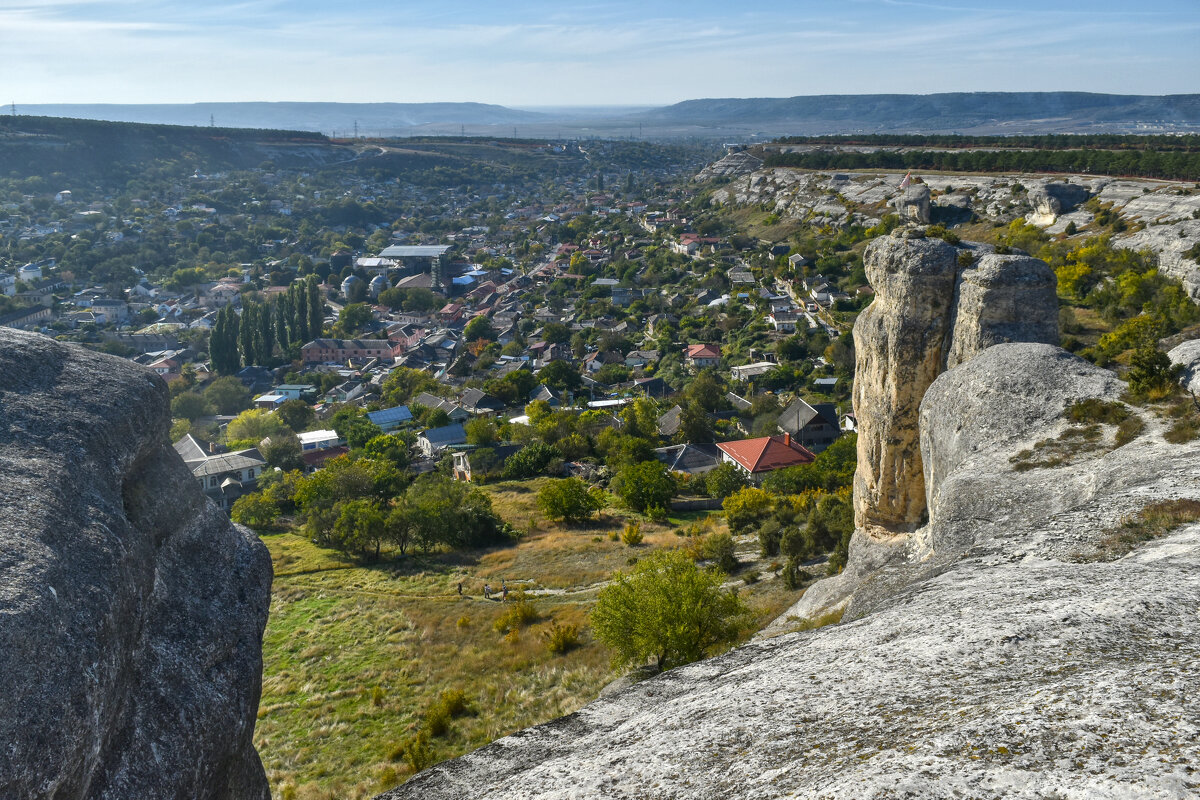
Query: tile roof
(767,453)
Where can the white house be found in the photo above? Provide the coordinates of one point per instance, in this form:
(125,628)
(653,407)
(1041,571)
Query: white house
(318,440)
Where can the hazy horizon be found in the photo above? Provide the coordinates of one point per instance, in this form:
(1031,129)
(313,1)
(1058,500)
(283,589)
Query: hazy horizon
(531,54)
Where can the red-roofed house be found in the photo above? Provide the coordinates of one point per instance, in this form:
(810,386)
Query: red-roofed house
(756,457)
(703,355)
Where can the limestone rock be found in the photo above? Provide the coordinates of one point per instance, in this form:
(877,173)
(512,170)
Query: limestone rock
(1050,200)
(1170,242)
(913,204)
(1003,298)
(1188,354)
(131,610)
(898,344)
(732,165)
(929,315)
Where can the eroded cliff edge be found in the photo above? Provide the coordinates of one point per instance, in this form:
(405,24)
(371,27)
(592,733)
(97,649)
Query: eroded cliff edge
(986,653)
(131,610)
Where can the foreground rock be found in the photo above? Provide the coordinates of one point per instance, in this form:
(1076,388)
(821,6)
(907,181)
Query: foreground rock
(131,610)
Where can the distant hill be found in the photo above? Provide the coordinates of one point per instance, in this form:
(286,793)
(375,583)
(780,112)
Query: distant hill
(373,118)
(1016,111)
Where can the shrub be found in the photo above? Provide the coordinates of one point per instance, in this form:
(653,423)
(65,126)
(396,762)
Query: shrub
(1155,520)
(719,549)
(1129,430)
(667,609)
(632,535)
(752,576)
(768,537)
(521,611)
(746,508)
(377,695)
(645,485)
(561,638)
(415,750)
(569,500)
(1093,410)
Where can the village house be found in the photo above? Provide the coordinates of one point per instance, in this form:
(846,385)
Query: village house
(757,457)
(700,356)
(435,440)
(224,477)
(814,427)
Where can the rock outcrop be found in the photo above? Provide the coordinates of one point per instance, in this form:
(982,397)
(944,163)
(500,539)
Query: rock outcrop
(1011,659)
(1050,200)
(912,204)
(929,315)
(131,610)
(1187,355)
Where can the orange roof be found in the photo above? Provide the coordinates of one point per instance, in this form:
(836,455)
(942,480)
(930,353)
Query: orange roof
(703,351)
(767,453)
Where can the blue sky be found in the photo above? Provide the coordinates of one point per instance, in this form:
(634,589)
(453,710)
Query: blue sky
(523,53)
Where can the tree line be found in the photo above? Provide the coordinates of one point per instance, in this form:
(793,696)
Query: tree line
(289,319)
(1054,141)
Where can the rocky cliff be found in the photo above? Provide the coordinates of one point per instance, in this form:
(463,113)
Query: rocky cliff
(1004,649)
(131,610)
(929,314)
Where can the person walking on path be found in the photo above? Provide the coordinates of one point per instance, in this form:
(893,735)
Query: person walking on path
(460,588)
(503,593)
(487,591)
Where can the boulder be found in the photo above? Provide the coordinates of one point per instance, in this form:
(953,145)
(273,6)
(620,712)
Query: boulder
(131,610)
(912,204)
(1188,355)
(1003,298)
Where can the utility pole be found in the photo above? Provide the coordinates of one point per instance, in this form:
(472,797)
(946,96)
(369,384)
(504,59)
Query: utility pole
(212,121)
(355,129)
(14,108)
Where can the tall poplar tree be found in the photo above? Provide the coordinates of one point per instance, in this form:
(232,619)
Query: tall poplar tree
(316,309)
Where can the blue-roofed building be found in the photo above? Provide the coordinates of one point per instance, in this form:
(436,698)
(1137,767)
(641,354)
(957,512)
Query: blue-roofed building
(389,419)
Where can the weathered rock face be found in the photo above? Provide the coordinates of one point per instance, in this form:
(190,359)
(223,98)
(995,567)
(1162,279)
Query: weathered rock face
(898,345)
(1171,241)
(1003,298)
(1187,354)
(913,204)
(131,610)
(1050,200)
(1002,663)
(929,315)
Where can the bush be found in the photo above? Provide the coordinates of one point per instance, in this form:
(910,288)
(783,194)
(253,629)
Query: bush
(530,461)
(667,609)
(561,638)
(768,537)
(632,535)
(644,485)
(254,510)
(450,705)
(415,750)
(746,508)
(521,612)
(719,549)
(569,500)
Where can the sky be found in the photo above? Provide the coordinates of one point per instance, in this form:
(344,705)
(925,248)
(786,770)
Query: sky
(530,53)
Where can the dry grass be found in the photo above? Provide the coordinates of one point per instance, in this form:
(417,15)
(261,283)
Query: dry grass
(1152,522)
(354,655)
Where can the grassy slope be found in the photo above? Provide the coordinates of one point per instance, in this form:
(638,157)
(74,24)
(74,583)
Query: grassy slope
(354,654)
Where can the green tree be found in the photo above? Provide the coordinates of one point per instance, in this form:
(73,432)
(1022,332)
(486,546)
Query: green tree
(353,426)
(529,461)
(481,432)
(296,414)
(255,510)
(190,406)
(254,425)
(667,609)
(1151,373)
(359,528)
(282,451)
(560,375)
(227,395)
(479,328)
(724,480)
(353,318)
(645,485)
(569,500)
(315,306)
